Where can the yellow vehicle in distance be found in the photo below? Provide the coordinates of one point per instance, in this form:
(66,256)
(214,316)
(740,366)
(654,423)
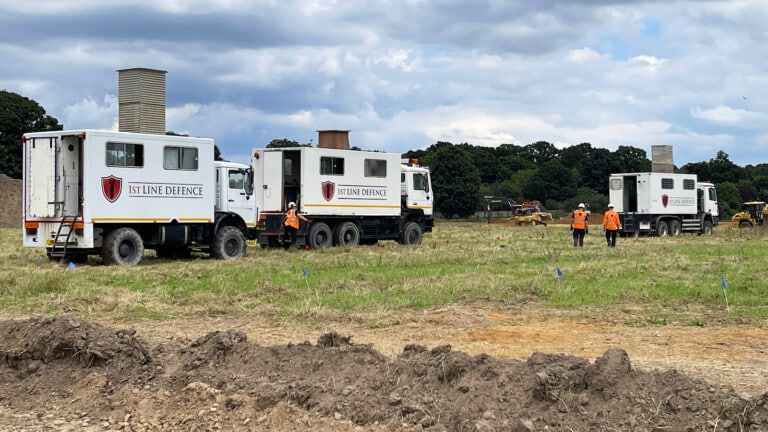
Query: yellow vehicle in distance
(753,213)
(531,213)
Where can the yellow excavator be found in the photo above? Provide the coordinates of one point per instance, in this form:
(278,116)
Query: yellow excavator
(753,213)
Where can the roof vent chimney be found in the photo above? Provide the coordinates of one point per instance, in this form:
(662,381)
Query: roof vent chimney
(334,139)
(141,100)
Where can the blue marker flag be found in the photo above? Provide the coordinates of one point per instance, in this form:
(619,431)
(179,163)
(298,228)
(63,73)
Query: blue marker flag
(71,265)
(725,283)
(559,272)
(304,271)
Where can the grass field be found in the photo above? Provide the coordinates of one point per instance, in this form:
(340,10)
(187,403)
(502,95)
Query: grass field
(643,281)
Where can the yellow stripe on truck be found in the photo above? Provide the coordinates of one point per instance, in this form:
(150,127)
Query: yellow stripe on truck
(352,206)
(153,220)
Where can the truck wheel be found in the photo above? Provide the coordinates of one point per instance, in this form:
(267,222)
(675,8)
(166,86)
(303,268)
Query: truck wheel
(122,246)
(745,224)
(662,229)
(320,236)
(347,234)
(229,243)
(412,233)
(674,227)
(707,229)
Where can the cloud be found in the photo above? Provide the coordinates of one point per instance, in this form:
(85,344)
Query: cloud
(725,115)
(402,74)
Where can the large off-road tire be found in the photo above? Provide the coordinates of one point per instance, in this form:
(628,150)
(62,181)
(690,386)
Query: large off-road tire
(675,228)
(411,234)
(347,234)
(122,246)
(662,229)
(707,228)
(320,236)
(228,243)
(745,224)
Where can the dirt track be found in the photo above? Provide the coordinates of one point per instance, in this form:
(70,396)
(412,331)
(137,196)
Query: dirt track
(444,370)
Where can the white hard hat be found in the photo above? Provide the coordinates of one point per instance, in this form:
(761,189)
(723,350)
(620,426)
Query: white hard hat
(610,205)
(581,205)
(291,204)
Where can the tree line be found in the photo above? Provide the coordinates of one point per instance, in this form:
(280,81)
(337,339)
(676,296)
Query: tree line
(462,174)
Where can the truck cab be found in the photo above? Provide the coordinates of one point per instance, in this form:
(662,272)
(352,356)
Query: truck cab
(234,191)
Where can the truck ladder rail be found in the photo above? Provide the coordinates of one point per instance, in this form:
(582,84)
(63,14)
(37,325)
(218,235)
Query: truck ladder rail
(58,247)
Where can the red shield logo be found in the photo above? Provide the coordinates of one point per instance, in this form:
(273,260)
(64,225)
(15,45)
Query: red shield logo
(328,189)
(111,187)
(665,200)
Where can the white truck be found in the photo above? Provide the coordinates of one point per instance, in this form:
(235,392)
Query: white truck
(113,194)
(352,197)
(663,203)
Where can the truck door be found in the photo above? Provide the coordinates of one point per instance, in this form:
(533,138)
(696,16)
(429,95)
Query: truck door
(240,198)
(70,179)
(41,177)
(418,190)
(273,181)
(630,194)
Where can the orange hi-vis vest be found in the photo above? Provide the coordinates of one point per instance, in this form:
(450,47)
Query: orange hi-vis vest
(611,220)
(579,219)
(291,219)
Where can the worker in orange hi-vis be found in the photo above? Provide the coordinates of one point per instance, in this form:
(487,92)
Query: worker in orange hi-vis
(611,224)
(291,224)
(579,225)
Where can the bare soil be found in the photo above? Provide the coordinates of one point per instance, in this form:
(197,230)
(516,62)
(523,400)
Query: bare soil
(10,197)
(468,368)
(462,369)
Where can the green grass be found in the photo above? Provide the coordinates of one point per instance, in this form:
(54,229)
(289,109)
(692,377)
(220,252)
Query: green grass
(643,281)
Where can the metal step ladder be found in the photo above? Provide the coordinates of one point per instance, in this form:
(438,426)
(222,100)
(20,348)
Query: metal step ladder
(62,237)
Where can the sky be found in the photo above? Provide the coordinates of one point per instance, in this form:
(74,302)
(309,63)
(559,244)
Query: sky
(404,74)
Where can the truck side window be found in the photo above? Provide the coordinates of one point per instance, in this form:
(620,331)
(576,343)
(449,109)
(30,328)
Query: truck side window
(420,182)
(180,158)
(667,183)
(375,168)
(331,165)
(125,155)
(236,179)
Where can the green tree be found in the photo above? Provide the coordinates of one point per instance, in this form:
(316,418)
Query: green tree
(728,198)
(277,143)
(574,156)
(723,170)
(553,181)
(541,151)
(19,115)
(455,181)
(487,164)
(632,159)
(597,168)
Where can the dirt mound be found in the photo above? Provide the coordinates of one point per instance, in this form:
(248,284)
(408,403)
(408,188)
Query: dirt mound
(67,374)
(10,196)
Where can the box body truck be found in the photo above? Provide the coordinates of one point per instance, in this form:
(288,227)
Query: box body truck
(663,203)
(352,197)
(113,194)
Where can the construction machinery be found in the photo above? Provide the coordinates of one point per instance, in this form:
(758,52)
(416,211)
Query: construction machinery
(753,213)
(496,206)
(531,213)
